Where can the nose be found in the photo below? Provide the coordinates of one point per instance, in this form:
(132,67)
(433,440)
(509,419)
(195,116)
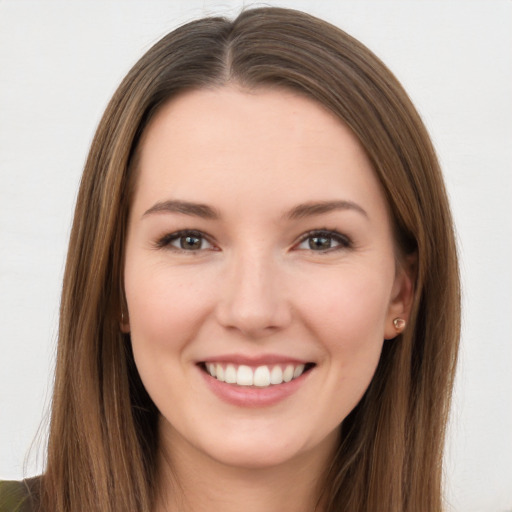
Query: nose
(252,297)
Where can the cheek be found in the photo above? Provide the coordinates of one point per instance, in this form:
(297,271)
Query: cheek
(348,309)
(349,324)
(347,316)
(165,313)
(164,309)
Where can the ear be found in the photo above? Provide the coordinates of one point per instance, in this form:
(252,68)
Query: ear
(402,297)
(124,323)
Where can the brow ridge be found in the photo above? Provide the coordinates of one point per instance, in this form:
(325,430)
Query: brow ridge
(298,212)
(184,207)
(318,208)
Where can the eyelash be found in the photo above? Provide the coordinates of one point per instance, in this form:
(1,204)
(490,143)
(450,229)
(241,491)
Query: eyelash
(166,240)
(343,241)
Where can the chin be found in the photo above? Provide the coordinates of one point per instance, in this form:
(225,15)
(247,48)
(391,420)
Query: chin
(254,458)
(251,451)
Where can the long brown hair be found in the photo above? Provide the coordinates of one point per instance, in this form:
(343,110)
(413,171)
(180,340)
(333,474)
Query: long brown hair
(103,439)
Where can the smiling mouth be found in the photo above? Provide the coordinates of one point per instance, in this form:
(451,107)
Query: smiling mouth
(260,376)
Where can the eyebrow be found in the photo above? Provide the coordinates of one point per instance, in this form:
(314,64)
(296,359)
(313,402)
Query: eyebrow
(318,208)
(184,207)
(298,212)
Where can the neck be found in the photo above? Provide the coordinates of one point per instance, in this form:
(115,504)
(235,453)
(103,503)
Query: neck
(191,481)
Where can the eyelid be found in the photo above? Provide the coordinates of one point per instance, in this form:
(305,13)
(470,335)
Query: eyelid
(343,241)
(165,241)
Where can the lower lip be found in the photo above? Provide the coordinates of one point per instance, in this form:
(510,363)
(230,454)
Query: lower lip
(252,396)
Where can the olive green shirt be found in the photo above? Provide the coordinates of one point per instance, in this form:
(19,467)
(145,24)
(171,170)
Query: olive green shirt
(17,496)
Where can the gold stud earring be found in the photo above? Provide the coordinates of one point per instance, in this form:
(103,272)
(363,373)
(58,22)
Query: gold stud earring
(399,324)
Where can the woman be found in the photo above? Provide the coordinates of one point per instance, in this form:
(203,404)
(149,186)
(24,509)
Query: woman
(261,293)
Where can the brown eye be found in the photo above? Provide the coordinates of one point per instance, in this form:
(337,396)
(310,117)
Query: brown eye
(186,241)
(319,243)
(324,241)
(190,242)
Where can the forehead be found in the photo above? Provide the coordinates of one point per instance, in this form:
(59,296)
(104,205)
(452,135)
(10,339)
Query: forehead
(217,142)
(257,114)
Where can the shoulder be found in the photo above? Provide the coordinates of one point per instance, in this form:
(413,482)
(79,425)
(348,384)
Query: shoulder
(17,496)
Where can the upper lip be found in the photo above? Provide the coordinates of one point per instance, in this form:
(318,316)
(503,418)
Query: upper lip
(260,360)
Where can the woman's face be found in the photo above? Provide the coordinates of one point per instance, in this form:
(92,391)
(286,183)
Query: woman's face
(259,250)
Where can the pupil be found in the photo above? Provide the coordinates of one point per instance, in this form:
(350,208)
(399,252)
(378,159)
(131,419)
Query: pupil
(190,242)
(319,242)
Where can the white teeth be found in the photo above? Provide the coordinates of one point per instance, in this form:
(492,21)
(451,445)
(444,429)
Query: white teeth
(298,371)
(262,376)
(244,376)
(230,374)
(219,373)
(288,373)
(211,369)
(276,375)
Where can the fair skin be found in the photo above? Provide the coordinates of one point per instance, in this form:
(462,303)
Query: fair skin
(258,237)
